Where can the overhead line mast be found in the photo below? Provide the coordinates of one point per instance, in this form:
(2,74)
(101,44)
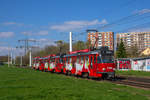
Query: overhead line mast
(70,44)
(26,45)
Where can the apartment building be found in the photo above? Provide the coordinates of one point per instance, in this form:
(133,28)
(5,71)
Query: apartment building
(102,39)
(140,39)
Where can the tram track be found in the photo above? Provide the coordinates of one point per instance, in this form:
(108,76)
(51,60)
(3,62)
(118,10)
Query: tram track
(136,83)
(123,80)
(133,81)
(129,81)
(133,78)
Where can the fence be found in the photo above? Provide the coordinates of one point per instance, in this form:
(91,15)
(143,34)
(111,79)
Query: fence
(141,64)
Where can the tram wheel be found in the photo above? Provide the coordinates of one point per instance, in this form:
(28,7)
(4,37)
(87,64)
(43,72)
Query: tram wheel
(69,73)
(104,76)
(85,75)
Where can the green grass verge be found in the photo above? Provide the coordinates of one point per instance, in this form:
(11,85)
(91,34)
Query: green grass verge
(134,73)
(27,84)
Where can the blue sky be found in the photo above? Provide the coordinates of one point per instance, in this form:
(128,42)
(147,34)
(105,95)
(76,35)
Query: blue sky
(52,20)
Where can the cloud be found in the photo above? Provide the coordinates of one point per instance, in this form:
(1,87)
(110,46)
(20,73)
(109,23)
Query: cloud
(74,25)
(43,33)
(141,12)
(29,33)
(140,30)
(5,50)
(42,42)
(12,23)
(45,42)
(6,34)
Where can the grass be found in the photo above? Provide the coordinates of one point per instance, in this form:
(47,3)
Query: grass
(27,84)
(134,73)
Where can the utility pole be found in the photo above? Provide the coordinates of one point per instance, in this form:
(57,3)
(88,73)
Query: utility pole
(30,57)
(14,57)
(14,60)
(8,57)
(28,48)
(11,55)
(20,55)
(26,41)
(21,60)
(70,44)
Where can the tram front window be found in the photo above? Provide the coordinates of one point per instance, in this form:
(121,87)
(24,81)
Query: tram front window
(105,59)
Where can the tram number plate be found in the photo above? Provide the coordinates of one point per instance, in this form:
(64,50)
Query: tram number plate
(109,67)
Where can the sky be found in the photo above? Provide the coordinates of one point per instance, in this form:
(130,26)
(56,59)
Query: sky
(48,21)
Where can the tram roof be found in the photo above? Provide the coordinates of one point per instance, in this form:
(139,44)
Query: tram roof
(81,54)
(56,57)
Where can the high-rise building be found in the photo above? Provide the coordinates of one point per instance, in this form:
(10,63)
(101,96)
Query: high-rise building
(102,39)
(140,39)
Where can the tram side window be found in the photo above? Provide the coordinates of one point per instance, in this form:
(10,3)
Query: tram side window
(99,60)
(78,60)
(57,60)
(91,59)
(73,62)
(82,59)
(70,60)
(86,58)
(61,60)
(94,58)
(52,60)
(66,60)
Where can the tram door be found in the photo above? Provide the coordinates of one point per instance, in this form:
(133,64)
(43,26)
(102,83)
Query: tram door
(93,62)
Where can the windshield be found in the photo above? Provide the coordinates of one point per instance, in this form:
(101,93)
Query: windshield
(105,59)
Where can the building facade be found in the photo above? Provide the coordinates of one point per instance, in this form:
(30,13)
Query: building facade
(99,39)
(140,39)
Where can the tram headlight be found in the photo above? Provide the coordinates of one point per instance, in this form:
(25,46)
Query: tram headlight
(103,69)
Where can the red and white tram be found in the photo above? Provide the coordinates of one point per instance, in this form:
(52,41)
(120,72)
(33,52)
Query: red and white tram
(98,63)
(36,63)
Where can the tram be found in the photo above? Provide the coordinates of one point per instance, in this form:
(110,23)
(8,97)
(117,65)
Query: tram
(97,63)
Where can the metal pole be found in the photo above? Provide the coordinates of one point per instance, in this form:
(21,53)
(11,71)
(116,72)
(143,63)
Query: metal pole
(25,47)
(70,42)
(21,60)
(14,57)
(14,60)
(11,55)
(8,56)
(30,58)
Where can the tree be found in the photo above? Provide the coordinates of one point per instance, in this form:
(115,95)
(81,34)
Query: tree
(79,45)
(87,44)
(133,51)
(121,52)
(60,48)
